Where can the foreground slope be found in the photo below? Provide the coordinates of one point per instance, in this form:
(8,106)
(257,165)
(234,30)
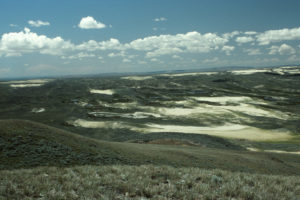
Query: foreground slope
(26,144)
(143,182)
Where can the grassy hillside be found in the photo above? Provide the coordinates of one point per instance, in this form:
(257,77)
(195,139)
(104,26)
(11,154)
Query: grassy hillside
(26,144)
(143,182)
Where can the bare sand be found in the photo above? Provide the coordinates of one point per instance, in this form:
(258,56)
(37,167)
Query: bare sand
(27,83)
(188,74)
(235,131)
(248,71)
(135,115)
(137,78)
(38,110)
(107,92)
(273,151)
(95,124)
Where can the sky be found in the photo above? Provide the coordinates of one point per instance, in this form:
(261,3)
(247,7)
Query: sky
(57,38)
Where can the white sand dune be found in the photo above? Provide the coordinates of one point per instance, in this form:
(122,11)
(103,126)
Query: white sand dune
(225,99)
(236,131)
(273,151)
(248,71)
(38,110)
(188,74)
(33,81)
(135,115)
(27,83)
(107,92)
(95,124)
(203,109)
(137,78)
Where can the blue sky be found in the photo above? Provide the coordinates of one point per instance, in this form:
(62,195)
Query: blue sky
(43,37)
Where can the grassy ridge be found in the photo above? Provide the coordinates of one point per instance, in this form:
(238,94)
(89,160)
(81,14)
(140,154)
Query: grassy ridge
(143,182)
(26,144)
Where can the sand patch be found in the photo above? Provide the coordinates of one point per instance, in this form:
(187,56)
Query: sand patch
(280,151)
(235,131)
(27,83)
(135,115)
(95,124)
(137,78)
(242,104)
(248,71)
(225,99)
(203,109)
(38,110)
(273,151)
(33,81)
(107,92)
(255,111)
(188,74)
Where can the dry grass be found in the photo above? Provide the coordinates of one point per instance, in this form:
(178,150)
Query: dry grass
(143,182)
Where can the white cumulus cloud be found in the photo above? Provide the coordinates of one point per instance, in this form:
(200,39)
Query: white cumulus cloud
(38,23)
(250,33)
(228,49)
(244,39)
(90,23)
(18,43)
(231,34)
(278,35)
(13,25)
(253,52)
(92,45)
(283,49)
(160,19)
(79,56)
(191,42)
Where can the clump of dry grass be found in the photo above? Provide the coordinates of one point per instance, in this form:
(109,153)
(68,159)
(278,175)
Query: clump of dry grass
(143,182)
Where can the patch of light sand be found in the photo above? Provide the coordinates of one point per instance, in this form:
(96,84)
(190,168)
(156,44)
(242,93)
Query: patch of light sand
(188,74)
(25,85)
(107,92)
(248,71)
(287,69)
(131,105)
(33,81)
(216,110)
(95,124)
(236,131)
(135,115)
(280,151)
(187,112)
(224,99)
(255,111)
(137,78)
(38,110)
(273,151)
